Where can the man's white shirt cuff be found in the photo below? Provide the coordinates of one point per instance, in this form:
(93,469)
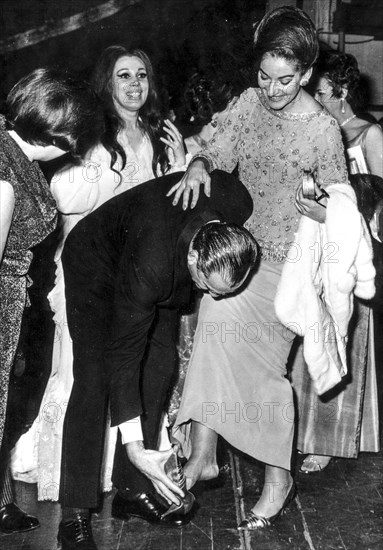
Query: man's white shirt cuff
(131,430)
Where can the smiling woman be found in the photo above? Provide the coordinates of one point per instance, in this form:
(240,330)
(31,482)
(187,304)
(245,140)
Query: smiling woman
(130,83)
(130,151)
(274,133)
(280,82)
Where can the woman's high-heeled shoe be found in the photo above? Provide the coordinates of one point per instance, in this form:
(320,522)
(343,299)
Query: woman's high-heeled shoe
(253,522)
(314,463)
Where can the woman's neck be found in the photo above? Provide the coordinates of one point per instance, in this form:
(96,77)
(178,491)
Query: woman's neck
(206,133)
(346,117)
(132,132)
(27,148)
(302,103)
(129,119)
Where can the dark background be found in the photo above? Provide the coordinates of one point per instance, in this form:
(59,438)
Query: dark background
(178,35)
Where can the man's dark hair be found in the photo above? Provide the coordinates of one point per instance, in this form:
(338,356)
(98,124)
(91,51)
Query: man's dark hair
(225,248)
(51,107)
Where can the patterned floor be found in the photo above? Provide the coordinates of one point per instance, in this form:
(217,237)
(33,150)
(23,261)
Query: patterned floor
(339,508)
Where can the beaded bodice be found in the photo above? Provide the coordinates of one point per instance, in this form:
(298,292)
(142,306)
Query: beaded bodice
(272,149)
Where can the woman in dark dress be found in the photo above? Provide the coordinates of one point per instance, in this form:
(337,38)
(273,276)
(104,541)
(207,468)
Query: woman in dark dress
(49,114)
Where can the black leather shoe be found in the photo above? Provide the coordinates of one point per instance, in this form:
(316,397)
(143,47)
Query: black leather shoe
(147,507)
(14,520)
(76,534)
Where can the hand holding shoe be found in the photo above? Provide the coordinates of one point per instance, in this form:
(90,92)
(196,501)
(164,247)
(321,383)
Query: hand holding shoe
(174,471)
(152,464)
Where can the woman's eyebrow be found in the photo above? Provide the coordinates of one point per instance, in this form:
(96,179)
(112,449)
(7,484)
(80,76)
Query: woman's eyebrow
(279,78)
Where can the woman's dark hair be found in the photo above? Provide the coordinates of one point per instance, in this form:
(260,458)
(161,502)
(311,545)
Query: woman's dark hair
(342,70)
(150,119)
(51,107)
(225,248)
(289,33)
(205,95)
(369,191)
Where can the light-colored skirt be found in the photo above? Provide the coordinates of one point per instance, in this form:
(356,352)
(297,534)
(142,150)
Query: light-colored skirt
(36,457)
(236,381)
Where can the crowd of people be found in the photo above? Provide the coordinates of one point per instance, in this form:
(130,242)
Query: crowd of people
(223,286)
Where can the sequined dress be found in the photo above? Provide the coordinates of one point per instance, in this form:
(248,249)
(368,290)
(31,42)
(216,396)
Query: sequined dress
(236,382)
(33,219)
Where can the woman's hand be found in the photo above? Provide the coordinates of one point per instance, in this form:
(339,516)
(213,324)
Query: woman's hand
(194,176)
(174,143)
(314,209)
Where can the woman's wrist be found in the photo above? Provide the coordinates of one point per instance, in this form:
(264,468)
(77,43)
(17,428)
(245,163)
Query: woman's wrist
(206,161)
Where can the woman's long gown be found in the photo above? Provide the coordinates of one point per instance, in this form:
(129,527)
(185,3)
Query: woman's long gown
(78,190)
(347,421)
(236,381)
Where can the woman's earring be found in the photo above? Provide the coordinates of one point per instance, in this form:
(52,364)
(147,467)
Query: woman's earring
(304,82)
(342,107)
(214,123)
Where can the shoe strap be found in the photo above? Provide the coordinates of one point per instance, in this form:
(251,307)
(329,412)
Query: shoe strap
(256,522)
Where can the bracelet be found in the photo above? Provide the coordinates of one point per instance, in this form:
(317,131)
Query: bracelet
(207,162)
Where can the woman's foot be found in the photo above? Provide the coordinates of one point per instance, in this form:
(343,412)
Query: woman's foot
(272,499)
(199,470)
(268,509)
(315,463)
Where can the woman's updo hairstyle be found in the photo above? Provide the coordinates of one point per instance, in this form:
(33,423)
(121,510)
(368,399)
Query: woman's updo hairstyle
(204,96)
(289,33)
(342,70)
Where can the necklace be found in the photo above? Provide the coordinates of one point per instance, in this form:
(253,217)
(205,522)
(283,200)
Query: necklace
(347,120)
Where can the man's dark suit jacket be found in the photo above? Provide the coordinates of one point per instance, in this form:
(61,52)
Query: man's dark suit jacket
(136,244)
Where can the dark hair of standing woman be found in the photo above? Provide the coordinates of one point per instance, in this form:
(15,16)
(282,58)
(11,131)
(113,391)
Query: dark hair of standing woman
(51,107)
(150,119)
(342,70)
(289,33)
(205,95)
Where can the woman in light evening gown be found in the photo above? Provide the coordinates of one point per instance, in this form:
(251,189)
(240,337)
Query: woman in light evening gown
(236,383)
(137,146)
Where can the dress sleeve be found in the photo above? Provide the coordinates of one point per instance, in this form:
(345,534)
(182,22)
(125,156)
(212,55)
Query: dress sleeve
(221,152)
(76,188)
(331,164)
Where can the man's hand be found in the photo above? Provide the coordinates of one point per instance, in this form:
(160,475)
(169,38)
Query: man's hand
(152,465)
(194,176)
